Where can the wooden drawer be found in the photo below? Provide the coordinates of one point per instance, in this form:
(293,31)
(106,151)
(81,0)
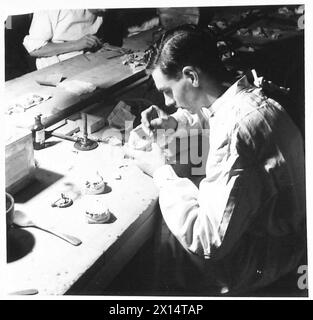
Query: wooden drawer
(19,160)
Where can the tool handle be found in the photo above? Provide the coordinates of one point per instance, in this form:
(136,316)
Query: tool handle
(25,292)
(71,239)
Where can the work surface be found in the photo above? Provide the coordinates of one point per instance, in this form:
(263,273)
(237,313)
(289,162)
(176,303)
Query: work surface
(107,73)
(42,261)
(39,260)
(51,265)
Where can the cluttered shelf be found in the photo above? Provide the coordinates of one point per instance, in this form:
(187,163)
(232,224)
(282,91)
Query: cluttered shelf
(58,198)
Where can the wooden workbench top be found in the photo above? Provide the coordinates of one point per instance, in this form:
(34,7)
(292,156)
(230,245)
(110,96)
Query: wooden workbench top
(108,74)
(37,259)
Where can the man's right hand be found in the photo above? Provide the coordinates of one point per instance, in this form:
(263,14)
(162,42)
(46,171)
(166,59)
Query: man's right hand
(155,118)
(88,41)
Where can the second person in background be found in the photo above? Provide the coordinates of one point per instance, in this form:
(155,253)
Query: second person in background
(57,35)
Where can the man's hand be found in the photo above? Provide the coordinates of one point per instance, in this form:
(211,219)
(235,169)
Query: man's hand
(88,42)
(148,162)
(155,118)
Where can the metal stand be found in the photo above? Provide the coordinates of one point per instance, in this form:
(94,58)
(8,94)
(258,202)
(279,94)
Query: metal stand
(85,144)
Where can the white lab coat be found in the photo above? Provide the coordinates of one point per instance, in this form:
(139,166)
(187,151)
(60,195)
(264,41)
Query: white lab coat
(245,222)
(59,26)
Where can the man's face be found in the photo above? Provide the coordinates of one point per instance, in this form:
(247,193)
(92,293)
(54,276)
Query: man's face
(178,93)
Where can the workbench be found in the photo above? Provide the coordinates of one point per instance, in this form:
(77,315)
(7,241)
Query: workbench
(43,261)
(39,260)
(107,73)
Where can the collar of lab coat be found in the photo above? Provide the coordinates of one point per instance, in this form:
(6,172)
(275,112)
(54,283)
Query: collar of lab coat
(239,85)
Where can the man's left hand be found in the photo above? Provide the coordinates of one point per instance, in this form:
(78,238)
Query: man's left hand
(147,161)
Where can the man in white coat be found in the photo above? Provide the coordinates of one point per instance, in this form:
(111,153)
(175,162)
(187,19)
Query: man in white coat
(244,226)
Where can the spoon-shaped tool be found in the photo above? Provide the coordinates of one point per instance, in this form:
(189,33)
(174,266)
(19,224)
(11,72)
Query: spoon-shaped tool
(20,219)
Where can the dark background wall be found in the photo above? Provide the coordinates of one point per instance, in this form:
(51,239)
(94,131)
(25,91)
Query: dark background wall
(17,60)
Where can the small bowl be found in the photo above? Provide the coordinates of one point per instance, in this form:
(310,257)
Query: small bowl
(9,204)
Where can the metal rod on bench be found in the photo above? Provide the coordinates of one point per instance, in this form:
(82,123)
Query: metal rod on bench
(85,144)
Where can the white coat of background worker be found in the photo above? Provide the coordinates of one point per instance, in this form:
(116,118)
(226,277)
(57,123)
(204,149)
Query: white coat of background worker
(57,35)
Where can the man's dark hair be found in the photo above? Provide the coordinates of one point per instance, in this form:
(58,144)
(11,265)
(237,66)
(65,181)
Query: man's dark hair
(187,45)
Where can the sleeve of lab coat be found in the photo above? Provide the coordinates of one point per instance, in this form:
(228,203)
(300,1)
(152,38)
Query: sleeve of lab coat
(40,31)
(231,193)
